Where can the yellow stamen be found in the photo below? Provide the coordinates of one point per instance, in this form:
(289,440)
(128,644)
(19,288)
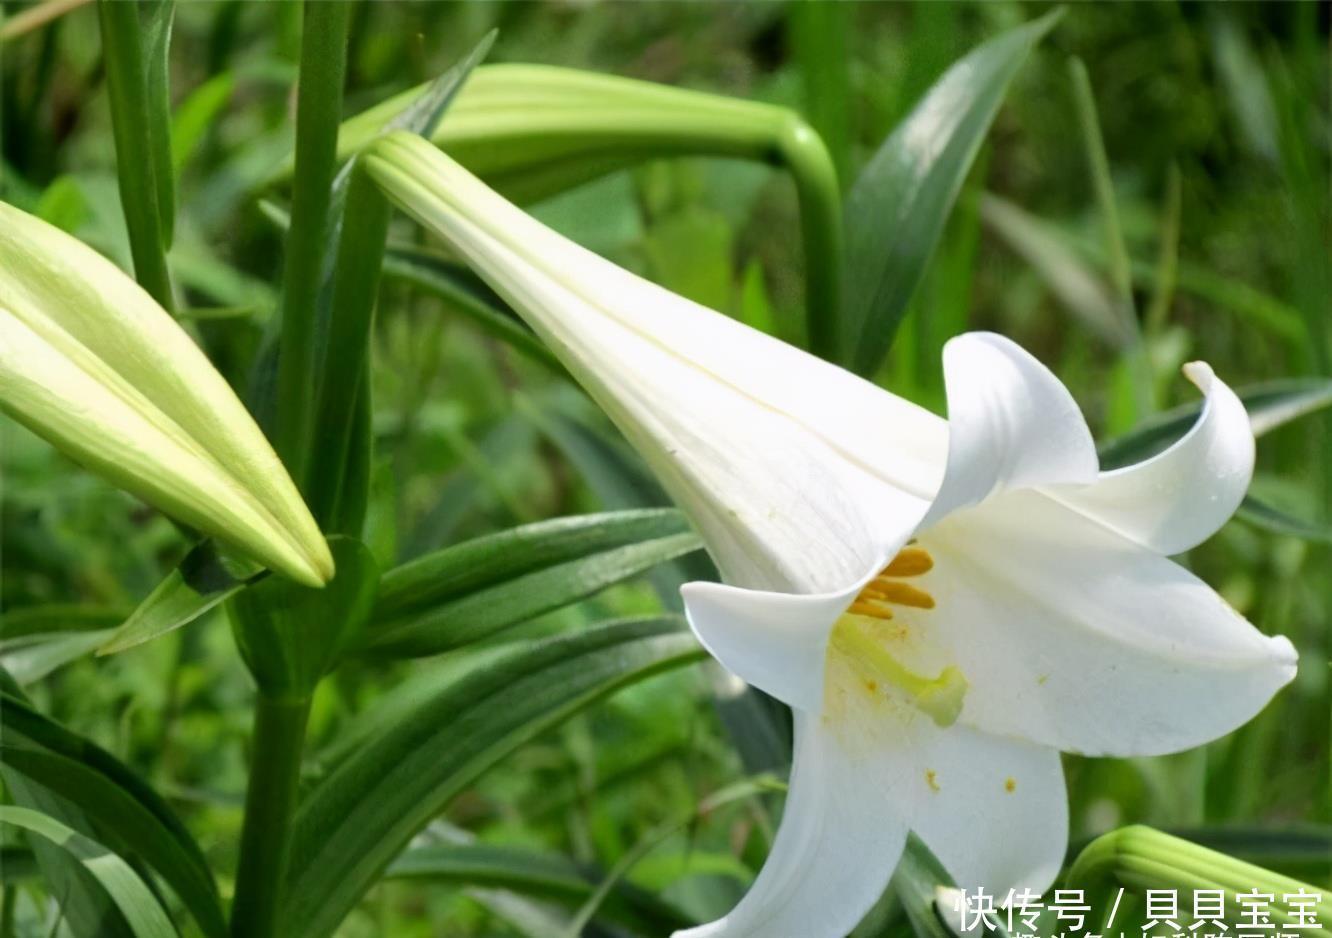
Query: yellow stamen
(940,697)
(910,561)
(903,594)
(866,608)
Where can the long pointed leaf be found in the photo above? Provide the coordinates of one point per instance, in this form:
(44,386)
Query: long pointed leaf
(361,816)
(896,210)
(470,591)
(134,899)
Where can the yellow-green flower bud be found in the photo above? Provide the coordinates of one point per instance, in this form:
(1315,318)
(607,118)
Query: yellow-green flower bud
(92,364)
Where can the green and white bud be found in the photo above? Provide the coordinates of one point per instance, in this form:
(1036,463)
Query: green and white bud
(92,364)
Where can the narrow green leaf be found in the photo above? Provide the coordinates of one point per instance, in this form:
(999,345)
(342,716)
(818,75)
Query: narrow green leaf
(457,288)
(1270,404)
(133,826)
(337,487)
(1141,395)
(196,115)
(896,211)
(134,899)
(25,726)
(541,875)
(744,789)
(465,593)
(1078,288)
(423,114)
(358,818)
(917,882)
(33,657)
(198,584)
(140,130)
(1262,515)
(57,617)
(1167,259)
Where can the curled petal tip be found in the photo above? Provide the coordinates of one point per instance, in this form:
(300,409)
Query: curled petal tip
(1201,374)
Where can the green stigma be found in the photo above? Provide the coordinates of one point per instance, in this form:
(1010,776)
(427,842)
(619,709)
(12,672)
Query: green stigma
(938,697)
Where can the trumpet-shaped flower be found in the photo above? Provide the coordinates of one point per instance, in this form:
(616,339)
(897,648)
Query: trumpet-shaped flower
(944,604)
(92,364)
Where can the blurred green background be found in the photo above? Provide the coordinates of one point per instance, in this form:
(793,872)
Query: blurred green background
(1215,120)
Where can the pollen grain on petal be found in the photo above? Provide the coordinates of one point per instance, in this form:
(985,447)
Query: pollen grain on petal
(932,779)
(1010,784)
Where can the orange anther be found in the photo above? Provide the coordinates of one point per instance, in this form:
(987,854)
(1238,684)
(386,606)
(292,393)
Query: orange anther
(910,561)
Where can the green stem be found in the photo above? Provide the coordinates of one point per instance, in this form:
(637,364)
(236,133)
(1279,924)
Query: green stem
(270,804)
(820,195)
(318,109)
(143,195)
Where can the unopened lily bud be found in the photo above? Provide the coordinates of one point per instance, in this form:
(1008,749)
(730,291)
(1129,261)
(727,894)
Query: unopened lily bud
(92,364)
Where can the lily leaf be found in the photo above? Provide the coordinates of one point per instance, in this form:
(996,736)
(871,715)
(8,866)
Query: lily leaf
(130,894)
(198,584)
(1262,515)
(541,875)
(1270,404)
(358,818)
(896,211)
(917,882)
(115,801)
(467,592)
(32,657)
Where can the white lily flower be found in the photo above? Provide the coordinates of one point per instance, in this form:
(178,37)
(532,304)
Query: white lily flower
(92,364)
(944,605)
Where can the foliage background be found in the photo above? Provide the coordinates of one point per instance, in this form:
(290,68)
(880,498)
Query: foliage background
(1229,100)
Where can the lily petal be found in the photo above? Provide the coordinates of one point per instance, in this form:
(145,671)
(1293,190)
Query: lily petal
(993,810)
(840,838)
(713,405)
(773,641)
(1012,424)
(1180,497)
(1074,637)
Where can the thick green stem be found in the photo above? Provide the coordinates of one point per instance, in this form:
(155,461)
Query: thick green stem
(318,109)
(270,804)
(145,185)
(820,195)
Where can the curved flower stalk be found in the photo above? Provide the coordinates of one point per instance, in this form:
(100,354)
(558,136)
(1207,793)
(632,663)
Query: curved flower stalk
(944,605)
(534,130)
(92,364)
